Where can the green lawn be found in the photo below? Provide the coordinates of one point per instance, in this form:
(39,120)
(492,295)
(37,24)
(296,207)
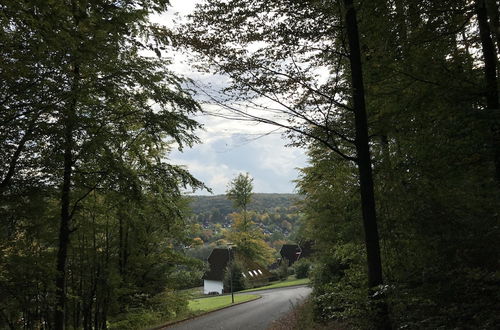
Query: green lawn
(194,293)
(213,303)
(281,284)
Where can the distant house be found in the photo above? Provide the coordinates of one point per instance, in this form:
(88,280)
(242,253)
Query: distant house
(294,252)
(213,280)
(290,253)
(306,249)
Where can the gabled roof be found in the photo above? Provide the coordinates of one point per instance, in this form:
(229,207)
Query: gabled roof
(253,271)
(219,259)
(307,249)
(291,252)
(217,262)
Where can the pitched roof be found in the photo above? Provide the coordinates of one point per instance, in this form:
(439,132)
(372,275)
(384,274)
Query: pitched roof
(254,271)
(291,252)
(307,249)
(219,259)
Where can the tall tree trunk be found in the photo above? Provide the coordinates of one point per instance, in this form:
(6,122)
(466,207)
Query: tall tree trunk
(490,75)
(494,15)
(364,162)
(65,224)
(363,151)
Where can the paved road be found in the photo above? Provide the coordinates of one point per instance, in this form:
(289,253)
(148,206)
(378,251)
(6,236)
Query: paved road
(257,314)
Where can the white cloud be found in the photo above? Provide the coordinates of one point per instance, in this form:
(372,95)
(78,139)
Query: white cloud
(230,146)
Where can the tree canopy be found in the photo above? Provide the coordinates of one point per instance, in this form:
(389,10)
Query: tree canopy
(239,190)
(420,168)
(396,102)
(87,194)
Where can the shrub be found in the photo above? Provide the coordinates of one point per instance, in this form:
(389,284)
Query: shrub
(159,309)
(282,271)
(301,268)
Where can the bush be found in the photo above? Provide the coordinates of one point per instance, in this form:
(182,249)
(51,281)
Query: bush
(166,306)
(302,268)
(282,271)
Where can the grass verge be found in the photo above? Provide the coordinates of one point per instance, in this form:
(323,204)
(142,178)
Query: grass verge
(281,284)
(204,305)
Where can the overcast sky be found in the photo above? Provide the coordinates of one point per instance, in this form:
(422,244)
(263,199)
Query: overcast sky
(230,147)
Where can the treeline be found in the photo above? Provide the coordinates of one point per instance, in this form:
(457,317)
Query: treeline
(215,209)
(92,222)
(397,103)
(277,215)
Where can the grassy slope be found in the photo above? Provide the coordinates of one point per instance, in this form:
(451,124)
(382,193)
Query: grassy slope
(213,303)
(281,284)
(204,305)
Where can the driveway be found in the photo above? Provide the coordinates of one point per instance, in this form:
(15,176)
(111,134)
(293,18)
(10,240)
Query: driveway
(257,314)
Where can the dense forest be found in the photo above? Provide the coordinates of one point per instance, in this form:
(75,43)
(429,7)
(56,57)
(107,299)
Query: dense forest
(395,101)
(91,215)
(216,208)
(277,215)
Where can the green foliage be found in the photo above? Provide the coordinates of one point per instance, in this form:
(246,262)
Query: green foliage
(86,123)
(302,268)
(235,270)
(166,306)
(249,240)
(219,206)
(282,272)
(240,190)
(277,215)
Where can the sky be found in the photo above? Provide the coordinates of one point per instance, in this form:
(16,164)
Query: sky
(231,147)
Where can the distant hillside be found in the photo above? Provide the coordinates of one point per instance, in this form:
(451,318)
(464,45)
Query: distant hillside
(259,203)
(276,214)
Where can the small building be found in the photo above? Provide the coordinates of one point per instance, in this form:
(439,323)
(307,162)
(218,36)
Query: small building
(213,280)
(290,253)
(294,252)
(306,249)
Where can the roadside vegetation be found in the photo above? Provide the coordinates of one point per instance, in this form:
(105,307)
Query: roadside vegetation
(281,284)
(208,304)
(396,102)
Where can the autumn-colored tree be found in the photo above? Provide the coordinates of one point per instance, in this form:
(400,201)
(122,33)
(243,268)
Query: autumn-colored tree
(249,239)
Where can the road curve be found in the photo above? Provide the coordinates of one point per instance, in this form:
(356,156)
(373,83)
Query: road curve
(257,314)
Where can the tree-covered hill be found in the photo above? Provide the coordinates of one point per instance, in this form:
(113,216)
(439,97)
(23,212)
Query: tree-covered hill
(276,214)
(216,208)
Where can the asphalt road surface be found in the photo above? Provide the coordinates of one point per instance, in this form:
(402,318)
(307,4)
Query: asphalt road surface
(257,314)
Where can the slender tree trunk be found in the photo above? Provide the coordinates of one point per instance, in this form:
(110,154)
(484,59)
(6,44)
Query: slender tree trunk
(123,247)
(120,244)
(65,224)
(364,162)
(494,15)
(490,75)
(4,184)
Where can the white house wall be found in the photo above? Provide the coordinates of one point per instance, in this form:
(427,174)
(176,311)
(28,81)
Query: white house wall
(212,286)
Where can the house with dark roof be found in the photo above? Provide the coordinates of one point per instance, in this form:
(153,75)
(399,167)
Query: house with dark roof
(306,249)
(290,253)
(213,280)
(294,252)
